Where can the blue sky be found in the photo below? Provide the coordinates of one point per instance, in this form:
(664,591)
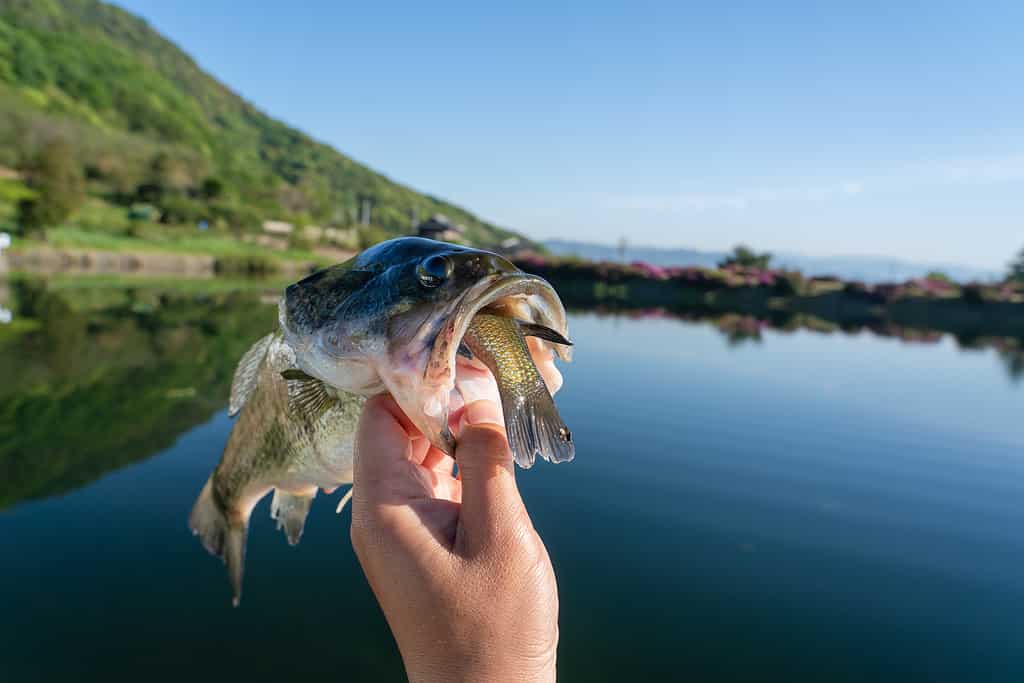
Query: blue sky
(882,128)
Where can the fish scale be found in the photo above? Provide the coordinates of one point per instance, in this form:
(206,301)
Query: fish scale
(532,421)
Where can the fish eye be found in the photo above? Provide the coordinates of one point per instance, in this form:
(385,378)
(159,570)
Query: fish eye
(434,270)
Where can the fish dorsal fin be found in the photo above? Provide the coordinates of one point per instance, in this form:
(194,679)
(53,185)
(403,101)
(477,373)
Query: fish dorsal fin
(307,395)
(247,374)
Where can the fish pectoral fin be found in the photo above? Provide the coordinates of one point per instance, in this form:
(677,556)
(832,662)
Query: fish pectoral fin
(542,332)
(308,396)
(290,511)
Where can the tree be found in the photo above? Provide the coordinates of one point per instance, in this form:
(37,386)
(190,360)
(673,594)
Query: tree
(212,188)
(170,173)
(57,178)
(745,257)
(1017,268)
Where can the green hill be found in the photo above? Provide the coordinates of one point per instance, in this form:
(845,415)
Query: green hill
(147,125)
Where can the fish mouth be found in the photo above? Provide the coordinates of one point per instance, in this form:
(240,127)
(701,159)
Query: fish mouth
(518,295)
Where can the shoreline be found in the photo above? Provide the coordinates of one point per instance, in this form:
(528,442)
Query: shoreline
(848,310)
(47,260)
(845,306)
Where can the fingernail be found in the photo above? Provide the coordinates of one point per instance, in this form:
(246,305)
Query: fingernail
(482,412)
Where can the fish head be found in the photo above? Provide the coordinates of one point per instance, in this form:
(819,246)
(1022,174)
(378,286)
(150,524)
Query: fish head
(392,318)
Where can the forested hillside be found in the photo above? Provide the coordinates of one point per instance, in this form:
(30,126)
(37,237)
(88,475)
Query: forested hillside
(145,125)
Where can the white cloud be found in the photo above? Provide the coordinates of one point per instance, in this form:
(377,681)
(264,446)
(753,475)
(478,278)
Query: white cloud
(992,170)
(733,200)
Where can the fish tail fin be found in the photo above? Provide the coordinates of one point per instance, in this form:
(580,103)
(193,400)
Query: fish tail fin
(290,510)
(538,428)
(208,522)
(220,536)
(234,558)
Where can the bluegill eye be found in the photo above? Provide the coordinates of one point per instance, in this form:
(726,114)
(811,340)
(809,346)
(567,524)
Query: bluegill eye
(434,270)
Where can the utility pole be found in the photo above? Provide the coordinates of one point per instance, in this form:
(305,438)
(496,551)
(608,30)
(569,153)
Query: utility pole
(5,243)
(365,210)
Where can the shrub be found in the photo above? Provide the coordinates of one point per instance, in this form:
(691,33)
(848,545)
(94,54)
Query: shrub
(745,257)
(181,209)
(788,284)
(973,293)
(245,264)
(60,186)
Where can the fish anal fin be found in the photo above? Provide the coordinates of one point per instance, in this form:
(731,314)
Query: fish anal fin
(290,511)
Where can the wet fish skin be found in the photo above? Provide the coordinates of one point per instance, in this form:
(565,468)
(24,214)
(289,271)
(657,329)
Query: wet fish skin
(273,447)
(392,319)
(532,421)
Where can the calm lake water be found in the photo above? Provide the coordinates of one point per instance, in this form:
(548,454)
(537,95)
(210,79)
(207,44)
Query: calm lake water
(756,506)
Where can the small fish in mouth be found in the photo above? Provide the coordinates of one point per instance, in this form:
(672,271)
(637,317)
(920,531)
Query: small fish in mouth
(532,421)
(436,325)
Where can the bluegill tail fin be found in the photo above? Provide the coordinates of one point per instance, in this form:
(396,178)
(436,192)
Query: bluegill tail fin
(220,536)
(290,511)
(536,427)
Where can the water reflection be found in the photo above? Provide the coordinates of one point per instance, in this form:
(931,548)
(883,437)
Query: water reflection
(101,373)
(98,376)
(738,329)
(756,498)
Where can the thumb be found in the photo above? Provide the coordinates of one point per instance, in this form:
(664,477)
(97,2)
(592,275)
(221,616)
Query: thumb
(385,444)
(491,506)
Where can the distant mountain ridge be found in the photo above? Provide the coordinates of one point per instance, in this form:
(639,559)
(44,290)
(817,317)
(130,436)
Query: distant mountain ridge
(132,104)
(869,269)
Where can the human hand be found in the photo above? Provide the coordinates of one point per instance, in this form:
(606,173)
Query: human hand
(463,578)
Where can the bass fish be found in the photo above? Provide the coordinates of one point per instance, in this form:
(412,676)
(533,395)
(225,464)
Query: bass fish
(436,325)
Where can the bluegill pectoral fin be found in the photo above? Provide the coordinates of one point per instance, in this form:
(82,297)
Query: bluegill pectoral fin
(309,397)
(290,511)
(247,374)
(541,332)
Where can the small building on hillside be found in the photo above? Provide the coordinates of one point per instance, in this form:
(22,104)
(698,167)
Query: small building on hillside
(278,228)
(440,227)
(342,237)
